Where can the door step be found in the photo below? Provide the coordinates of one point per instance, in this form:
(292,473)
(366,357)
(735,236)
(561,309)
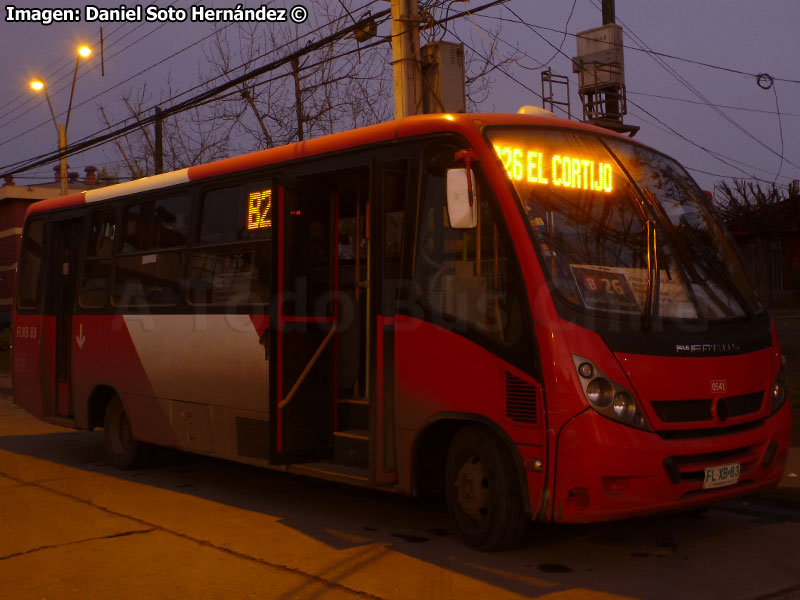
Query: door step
(352,413)
(62,421)
(332,472)
(351,448)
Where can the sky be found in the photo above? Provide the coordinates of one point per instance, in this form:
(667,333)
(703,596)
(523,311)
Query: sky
(749,132)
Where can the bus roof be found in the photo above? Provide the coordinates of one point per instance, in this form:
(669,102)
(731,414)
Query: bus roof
(467,124)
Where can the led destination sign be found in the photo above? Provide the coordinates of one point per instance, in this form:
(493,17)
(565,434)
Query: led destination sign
(538,168)
(258,209)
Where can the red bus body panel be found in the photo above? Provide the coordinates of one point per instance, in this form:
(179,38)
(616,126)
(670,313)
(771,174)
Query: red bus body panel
(607,471)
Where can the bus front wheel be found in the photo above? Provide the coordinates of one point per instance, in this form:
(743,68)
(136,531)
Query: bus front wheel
(484,498)
(123,451)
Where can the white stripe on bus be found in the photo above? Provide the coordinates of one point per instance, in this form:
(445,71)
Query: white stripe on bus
(138,185)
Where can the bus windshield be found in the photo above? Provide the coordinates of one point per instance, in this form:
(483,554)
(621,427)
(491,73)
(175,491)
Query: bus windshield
(606,213)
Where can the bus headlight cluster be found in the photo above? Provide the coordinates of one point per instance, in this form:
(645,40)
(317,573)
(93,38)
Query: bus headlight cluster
(779,391)
(607,397)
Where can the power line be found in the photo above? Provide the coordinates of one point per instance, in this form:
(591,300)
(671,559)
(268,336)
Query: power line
(197,100)
(174,54)
(712,153)
(639,49)
(728,106)
(209,95)
(669,69)
(780,128)
(52,84)
(721,157)
(563,39)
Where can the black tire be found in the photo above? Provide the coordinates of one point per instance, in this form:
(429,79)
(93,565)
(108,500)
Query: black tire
(122,450)
(483,492)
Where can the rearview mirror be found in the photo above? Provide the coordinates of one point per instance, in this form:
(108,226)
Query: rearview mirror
(462,202)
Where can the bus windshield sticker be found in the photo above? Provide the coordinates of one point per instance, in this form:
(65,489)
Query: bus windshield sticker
(535,167)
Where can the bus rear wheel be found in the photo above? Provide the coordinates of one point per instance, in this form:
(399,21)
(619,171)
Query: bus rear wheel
(122,450)
(483,493)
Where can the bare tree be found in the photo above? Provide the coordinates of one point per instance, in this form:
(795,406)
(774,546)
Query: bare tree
(189,138)
(337,87)
(758,217)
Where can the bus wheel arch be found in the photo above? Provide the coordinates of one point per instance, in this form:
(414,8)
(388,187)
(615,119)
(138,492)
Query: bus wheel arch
(98,401)
(122,450)
(458,455)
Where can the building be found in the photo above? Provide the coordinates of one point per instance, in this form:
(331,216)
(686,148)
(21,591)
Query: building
(14,201)
(769,239)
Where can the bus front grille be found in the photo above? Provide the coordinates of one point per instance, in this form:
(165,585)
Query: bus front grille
(682,411)
(688,411)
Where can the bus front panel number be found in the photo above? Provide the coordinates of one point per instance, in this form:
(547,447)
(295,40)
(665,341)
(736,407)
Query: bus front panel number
(258,209)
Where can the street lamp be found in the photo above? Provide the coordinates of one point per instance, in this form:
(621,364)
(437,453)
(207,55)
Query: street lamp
(38,85)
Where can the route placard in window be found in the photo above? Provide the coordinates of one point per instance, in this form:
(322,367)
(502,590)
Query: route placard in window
(604,289)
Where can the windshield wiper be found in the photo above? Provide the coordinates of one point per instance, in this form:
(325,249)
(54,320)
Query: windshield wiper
(653,278)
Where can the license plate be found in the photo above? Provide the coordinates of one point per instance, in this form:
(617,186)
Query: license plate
(721,475)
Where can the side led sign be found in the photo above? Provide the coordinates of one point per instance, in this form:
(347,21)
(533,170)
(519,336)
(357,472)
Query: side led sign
(258,209)
(558,170)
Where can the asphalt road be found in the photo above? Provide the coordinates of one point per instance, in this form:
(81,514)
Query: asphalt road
(191,527)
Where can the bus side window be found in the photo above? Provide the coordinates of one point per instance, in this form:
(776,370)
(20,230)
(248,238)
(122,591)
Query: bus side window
(102,234)
(149,279)
(98,266)
(29,287)
(155,224)
(465,275)
(231,262)
(147,274)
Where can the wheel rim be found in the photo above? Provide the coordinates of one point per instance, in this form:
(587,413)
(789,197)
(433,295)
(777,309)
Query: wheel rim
(125,436)
(472,489)
(123,439)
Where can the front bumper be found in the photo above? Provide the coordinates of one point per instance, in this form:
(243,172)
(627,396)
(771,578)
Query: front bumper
(606,470)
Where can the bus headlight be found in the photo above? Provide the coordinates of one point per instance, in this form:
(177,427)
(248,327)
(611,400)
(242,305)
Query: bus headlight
(607,397)
(599,392)
(779,391)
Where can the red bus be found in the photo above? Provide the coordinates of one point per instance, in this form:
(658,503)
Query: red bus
(538,318)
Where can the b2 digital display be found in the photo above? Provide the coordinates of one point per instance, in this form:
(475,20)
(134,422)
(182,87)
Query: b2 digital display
(259,204)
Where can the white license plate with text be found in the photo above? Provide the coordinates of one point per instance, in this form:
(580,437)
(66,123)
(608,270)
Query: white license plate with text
(721,475)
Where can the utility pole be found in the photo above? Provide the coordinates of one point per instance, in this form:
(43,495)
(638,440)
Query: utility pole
(62,147)
(608,12)
(298,97)
(158,159)
(609,18)
(406,61)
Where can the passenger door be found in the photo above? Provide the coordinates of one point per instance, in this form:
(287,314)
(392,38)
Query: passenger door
(66,247)
(302,383)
